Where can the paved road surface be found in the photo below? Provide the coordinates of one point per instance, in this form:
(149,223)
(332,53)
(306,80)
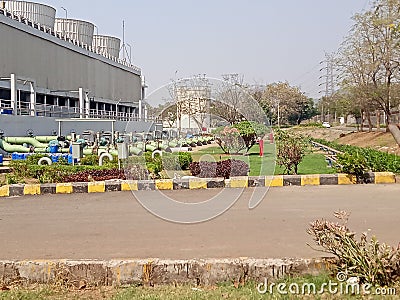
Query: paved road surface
(115,225)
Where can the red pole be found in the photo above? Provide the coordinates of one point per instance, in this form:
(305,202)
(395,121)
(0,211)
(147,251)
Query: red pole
(261,148)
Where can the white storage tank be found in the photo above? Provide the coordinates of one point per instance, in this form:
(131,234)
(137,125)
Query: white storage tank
(79,30)
(34,12)
(106,45)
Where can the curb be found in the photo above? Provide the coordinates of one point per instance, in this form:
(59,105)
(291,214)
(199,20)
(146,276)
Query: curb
(155,271)
(192,184)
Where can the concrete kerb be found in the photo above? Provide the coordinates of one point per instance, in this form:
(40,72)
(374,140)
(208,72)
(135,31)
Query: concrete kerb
(192,183)
(155,271)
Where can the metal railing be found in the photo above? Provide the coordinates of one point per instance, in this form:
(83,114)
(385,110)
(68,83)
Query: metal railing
(47,110)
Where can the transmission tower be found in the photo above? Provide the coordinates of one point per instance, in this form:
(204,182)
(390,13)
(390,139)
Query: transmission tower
(329,81)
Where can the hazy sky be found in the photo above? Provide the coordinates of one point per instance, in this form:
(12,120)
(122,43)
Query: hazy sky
(264,40)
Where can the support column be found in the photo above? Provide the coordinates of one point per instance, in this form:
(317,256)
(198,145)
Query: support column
(145,112)
(33,99)
(87,104)
(97,110)
(14,94)
(45,105)
(59,128)
(140,109)
(81,103)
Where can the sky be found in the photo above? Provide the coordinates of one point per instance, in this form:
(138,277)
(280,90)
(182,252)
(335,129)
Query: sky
(265,41)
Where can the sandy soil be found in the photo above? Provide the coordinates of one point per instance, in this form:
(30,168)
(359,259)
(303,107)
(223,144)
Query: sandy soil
(382,141)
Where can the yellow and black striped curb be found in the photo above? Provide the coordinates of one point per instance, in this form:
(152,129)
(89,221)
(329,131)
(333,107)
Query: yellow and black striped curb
(155,271)
(192,184)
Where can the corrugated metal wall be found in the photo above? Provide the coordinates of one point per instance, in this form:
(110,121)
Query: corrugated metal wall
(58,68)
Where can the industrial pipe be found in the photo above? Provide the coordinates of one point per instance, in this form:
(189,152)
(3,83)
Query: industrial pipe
(25,140)
(150,148)
(135,150)
(156,152)
(12,148)
(181,149)
(161,146)
(45,159)
(173,144)
(45,139)
(104,155)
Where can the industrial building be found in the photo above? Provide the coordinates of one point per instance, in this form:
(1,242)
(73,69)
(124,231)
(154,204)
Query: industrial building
(52,68)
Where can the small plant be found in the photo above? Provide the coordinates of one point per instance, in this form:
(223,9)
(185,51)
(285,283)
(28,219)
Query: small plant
(90,160)
(177,161)
(240,137)
(291,149)
(353,164)
(185,159)
(230,141)
(154,165)
(368,259)
(34,158)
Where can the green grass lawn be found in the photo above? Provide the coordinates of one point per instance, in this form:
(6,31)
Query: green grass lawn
(313,163)
(248,291)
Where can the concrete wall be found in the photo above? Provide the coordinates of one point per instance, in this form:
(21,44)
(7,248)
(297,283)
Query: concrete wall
(59,65)
(18,126)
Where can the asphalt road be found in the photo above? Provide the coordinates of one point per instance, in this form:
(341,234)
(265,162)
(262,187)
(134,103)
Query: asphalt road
(116,226)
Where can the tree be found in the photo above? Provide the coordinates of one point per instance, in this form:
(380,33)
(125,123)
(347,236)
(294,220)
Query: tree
(291,149)
(370,54)
(303,110)
(169,114)
(234,103)
(288,103)
(230,99)
(240,136)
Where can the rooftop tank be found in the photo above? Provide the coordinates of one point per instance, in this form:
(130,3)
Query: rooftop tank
(79,30)
(106,45)
(34,12)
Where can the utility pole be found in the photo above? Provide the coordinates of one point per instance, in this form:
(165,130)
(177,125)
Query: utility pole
(329,83)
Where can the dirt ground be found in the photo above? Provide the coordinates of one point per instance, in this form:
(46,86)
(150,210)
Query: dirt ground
(382,141)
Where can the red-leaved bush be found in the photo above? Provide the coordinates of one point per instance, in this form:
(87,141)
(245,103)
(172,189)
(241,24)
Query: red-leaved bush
(226,169)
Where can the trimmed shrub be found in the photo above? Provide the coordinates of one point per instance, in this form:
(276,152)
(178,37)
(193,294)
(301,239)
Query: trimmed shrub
(375,160)
(226,169)
(185,159)
(90,160)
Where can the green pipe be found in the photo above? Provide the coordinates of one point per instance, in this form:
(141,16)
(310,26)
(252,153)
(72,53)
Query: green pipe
(136,151)
(25,140)
(12,148)
(165,148)
(40,150)
(112,152)
(87,151)
(140,145)
(45,139)
(150,148)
